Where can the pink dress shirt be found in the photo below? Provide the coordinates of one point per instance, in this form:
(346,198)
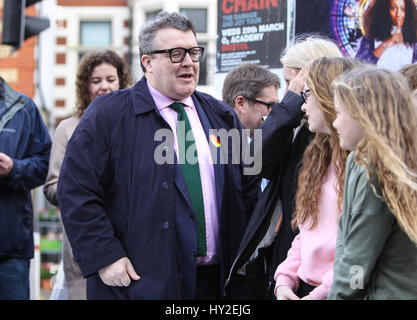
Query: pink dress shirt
(205,165)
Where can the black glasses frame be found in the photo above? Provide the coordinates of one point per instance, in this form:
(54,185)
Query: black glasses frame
(304,95)
(266,104)
(199,53)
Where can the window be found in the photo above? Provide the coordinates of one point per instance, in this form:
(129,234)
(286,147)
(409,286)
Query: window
(151,14)
(95,33)
(198,17)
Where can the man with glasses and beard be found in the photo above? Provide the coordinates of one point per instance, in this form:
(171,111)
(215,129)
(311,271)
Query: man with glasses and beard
(141,228)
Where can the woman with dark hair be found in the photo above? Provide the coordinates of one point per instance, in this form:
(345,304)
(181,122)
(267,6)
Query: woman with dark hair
(390,38)
(85,82)
(99,72)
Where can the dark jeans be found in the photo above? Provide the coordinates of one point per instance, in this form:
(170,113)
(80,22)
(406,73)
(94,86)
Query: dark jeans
(14,279)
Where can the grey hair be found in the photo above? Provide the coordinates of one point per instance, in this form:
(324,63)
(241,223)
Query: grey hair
(307,47)
(162,21)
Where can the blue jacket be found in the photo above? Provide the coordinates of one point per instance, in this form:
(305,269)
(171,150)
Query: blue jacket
(25,139)
(116,201)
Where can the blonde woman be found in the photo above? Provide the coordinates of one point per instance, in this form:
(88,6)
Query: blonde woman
(307,271)
(376,253)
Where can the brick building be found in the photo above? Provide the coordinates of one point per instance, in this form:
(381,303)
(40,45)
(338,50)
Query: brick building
(18,68)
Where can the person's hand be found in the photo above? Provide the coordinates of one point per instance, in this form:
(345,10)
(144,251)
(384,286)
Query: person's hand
(6,165)
(397,37)
(118,273)
(297,83)
(285,293)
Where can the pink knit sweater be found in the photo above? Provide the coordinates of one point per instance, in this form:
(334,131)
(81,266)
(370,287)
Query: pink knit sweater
(311,255)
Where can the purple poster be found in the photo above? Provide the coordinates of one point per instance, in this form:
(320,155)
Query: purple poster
(382,32)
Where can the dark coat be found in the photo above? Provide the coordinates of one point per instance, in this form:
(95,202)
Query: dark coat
(116,201)
(25,139)
(280,158)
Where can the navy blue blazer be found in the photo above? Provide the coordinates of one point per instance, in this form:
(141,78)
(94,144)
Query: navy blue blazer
(116,201)
(280,164)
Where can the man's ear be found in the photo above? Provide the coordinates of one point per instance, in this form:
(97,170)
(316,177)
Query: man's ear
(146,62)
(239,104)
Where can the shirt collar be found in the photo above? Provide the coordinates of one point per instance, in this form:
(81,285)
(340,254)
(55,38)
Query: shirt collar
(162,101)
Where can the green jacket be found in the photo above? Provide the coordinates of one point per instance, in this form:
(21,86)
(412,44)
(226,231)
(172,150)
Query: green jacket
(374,258)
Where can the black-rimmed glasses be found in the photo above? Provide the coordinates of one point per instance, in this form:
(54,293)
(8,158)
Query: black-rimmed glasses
(304,95)
(177,55)
(268,105)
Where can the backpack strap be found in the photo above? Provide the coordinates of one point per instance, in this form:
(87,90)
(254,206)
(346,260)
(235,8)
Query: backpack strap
(10,114)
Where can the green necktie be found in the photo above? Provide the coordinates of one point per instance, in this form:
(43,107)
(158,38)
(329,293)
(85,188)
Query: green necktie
(191,172)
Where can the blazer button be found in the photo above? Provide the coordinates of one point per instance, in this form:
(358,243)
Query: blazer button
(165,185)
(192,217)
(165,225)
(193,255)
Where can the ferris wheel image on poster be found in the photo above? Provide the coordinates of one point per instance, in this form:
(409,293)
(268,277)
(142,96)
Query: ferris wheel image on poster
(382,32)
